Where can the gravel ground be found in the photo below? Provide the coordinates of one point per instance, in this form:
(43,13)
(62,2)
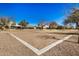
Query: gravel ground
(11,47)
(38,39)
(67,48)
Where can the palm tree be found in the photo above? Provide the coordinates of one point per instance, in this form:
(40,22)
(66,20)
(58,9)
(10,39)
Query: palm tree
(74,18)
(23,23)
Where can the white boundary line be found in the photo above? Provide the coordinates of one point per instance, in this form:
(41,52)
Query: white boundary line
(53,45)
(26,44)
(37,51)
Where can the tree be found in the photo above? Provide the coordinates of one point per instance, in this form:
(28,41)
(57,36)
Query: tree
(68,24)
(6,22)
(13,23)
(53,25)
(60,27)
(23,23)
(41,23)
(74,18)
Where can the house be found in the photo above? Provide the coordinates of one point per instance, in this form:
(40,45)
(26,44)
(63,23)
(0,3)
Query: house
(16,26)
(45,26)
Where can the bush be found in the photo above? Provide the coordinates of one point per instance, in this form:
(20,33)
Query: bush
(77,28)
(7,27)
(60,27)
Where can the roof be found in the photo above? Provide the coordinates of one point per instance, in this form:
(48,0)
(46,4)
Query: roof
(17,25)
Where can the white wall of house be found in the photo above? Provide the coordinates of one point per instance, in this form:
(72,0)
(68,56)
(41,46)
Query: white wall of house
(46,26)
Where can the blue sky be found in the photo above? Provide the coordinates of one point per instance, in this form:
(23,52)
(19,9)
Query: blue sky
(33,12)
